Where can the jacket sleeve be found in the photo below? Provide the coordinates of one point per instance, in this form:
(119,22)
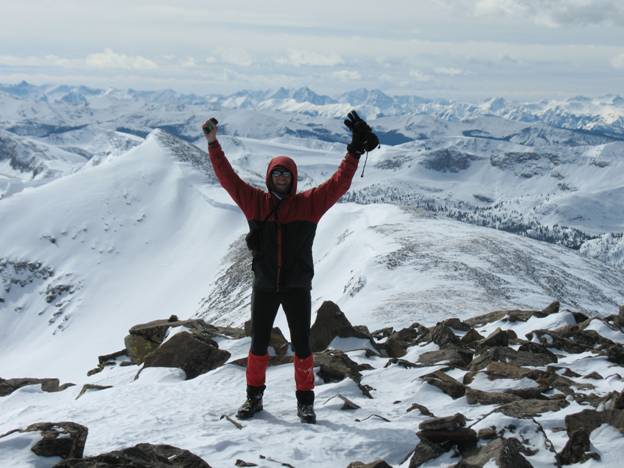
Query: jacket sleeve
(329,192)
(244,195)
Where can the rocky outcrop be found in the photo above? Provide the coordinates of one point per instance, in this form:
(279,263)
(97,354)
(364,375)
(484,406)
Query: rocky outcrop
(139,456)
(8,386)
(59,439)
(194,353)
(331,323)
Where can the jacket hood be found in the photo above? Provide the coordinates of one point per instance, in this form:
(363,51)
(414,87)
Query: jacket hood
(289,164)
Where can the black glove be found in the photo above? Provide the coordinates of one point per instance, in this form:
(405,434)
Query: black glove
(362,137)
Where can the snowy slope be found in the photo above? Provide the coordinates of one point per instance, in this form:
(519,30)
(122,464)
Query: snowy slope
(150,233)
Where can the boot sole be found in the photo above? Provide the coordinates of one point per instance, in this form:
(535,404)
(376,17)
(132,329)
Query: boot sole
(248,416)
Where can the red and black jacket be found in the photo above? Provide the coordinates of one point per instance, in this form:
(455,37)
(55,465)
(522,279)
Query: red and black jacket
(284,259)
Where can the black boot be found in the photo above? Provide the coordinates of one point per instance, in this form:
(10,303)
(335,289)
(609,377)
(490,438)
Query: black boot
(253,403)
(305,406)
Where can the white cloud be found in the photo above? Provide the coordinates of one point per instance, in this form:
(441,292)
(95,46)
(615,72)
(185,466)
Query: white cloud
(111,59)
(551,13)
(449,71)
(618,62)
(419,76)
(307,57)
(31,61)
(235,56)
(347,75)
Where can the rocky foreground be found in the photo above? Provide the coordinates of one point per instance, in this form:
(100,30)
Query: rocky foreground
(536,388)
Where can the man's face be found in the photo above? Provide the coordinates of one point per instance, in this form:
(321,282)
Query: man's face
(281,179)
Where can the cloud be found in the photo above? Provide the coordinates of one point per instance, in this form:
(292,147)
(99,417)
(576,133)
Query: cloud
(307,57)
(551,13)
(449,71)
(235,56)
(31,61)
(347,75)
(110,59)
(618,62)
(417,75)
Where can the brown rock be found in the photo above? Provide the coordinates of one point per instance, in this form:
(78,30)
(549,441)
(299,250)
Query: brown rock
(592,419)
(497,369)
(506,453)
(446,383)
(401,363)
(423,409)
(532,407)
(92,387)
(396,345)
(375,464)
(456,324)
(193,353)
(505,354)
(470,337)
(141,455)
(330,323)
(487,433)
(447,423)
(594,376)
(474,397)
(335,365)
(60,439)
(497,338)
(615,354)
(8,386)
(426,451)
(453,356)
(464,438)
(576,448)
(443,335)
(551,309)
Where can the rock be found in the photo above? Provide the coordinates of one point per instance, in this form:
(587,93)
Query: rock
(330,323)
(240,462)
(400,362)
(456,324)
(537,348)
(553,308)
(506,453)
(92,387)
(335,365)
(375,464)
(8,386)
(497,338)
(510,315)
(193,353)
(141,455)
(480,397)
(506,354)
(576,448)
(594,376)
(382,333)
(446,383)
(497,369)
(532,407)
(276,340)
(615,354)
(60,439)
(447,423)
(423,410)
(443,335)
(471,337)
(426,451)
(453,356)
(464,438)
(589,420)
(487,433)
(396,345)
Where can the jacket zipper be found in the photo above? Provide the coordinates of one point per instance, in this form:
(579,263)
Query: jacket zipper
(279,256)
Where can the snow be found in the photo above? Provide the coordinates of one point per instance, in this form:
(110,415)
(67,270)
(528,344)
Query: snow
(123,230)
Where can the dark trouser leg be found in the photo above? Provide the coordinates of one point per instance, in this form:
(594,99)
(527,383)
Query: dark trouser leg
(264,305)
(297,307)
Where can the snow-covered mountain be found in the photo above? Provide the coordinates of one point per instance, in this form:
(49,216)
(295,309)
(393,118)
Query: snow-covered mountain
(111,216)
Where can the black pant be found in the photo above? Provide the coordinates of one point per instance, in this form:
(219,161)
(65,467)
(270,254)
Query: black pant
(297,307)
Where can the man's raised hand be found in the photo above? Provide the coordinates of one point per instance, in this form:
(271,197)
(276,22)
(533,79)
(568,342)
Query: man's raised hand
(210,129)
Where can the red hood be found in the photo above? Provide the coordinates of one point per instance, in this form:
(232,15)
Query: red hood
(289,164)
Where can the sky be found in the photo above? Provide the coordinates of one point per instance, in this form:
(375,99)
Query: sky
(459,49)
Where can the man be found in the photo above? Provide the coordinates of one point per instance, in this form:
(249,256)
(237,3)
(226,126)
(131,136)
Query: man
(282,226)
